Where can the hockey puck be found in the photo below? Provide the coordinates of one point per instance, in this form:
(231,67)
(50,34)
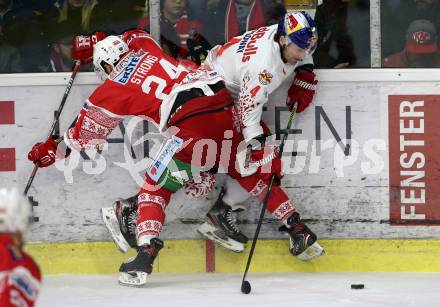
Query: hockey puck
(245,287)
(357,286)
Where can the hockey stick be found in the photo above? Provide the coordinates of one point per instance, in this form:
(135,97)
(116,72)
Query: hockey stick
(55,121)
(245,285)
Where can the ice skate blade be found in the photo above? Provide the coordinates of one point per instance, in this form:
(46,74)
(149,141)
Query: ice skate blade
(212,233)
(313,251)
(111,222)
(133,279)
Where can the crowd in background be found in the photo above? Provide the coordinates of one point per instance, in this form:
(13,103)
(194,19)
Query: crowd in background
(409,33)
(35,35)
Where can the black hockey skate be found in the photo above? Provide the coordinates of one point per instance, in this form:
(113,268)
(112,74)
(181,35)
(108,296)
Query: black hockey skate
(221,227)
(135,270)
(302,240)
(120,221)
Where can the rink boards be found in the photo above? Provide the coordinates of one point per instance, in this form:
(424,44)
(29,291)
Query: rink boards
(197,256)
(360,163)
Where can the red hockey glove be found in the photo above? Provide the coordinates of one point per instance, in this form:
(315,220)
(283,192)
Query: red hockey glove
(302,90)
(268,161)
(44,154)
(82,46)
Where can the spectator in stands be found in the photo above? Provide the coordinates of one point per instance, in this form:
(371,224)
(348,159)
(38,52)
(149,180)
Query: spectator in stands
(335,46)
(21,28)
(421,48)
(77,16)
(228,18)
(175,27)
(397,15)
(78,13)
(60,58)
(174,14)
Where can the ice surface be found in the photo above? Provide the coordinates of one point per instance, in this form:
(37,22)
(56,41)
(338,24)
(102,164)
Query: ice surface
(218,289)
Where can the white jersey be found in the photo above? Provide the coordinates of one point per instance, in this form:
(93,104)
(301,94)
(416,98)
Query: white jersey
(252,68)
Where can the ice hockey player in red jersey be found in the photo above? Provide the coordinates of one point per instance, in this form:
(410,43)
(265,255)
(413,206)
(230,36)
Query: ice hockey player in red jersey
(140,80)
(20,278)
(273,62)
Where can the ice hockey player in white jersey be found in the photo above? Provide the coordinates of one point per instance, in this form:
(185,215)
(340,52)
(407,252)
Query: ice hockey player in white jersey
(257,63)
(254,66)
(270,60)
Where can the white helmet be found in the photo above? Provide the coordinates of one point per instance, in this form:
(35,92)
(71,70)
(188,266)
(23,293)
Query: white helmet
(15,212)
(108,51)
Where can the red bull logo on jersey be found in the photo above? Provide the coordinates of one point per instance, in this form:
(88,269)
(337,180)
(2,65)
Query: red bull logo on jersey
(265,77)
(248,45)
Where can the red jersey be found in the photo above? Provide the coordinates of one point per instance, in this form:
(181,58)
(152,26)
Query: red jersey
(141,80)
(145,82)
(20,278)
(186,27)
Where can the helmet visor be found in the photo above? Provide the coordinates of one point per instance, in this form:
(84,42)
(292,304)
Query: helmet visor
(100,71)
(305,38)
